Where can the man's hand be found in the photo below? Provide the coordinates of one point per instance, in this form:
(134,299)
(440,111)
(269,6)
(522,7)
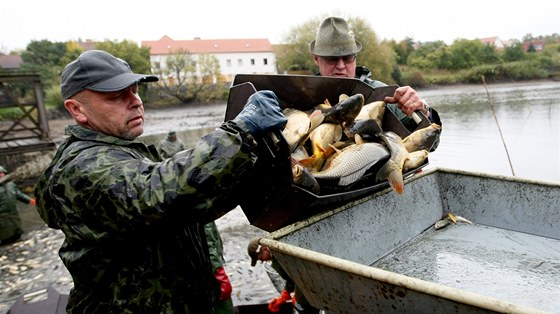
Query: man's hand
(261,113)
(408,101)
(225,285)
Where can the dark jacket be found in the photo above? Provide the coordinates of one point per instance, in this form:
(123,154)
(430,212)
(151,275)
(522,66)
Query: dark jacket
(134,225)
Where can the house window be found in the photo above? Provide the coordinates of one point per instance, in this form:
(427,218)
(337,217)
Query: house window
(240,62)
(265,61)
(228,63)
(252,61)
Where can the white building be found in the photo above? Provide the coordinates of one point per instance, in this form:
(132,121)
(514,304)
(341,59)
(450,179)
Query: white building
(236,56)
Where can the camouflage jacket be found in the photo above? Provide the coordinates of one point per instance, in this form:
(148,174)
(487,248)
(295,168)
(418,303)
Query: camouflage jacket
(134,225)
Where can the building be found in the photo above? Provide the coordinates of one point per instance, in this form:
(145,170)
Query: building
(235,56)
(10,62)
(494,41)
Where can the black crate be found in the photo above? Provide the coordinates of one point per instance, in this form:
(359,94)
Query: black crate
(274,202)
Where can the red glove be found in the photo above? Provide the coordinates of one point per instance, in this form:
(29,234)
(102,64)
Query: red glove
(276,303)
(32,202)
(225,285)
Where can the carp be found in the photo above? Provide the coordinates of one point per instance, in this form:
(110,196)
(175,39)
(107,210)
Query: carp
(345,110)
(368,122)
(321,139)
(350,164)
(303,178)
(299,125)
(415,159)
(393,169)
(423,138)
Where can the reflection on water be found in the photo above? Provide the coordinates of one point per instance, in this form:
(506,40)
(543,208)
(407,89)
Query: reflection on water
(528,116)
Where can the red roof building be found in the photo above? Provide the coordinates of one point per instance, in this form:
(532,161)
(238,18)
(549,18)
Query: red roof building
(235,56)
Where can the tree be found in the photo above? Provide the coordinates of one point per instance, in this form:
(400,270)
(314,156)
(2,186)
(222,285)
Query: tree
(178,70)
(137,57)
(514,53)
(294,54)
(43,57)
(403,49)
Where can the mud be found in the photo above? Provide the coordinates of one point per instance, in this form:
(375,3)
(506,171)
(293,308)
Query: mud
(32,263)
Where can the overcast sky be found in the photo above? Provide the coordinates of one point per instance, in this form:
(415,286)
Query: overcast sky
(61,20)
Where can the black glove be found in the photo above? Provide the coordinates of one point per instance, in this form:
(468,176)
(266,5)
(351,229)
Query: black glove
(261,113)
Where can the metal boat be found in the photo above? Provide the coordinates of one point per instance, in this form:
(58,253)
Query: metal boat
(382,254)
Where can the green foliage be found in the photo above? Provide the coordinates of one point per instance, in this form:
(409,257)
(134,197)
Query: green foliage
(43,57)
(53,97)
(294,54)
(513,53)
(188,80)
(137,57)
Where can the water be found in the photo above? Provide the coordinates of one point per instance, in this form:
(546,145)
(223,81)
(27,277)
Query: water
(528,115)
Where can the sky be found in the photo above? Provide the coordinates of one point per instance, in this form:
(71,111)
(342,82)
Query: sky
(22,21)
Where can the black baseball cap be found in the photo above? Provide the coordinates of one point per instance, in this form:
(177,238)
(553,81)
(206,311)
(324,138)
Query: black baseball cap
(99,71)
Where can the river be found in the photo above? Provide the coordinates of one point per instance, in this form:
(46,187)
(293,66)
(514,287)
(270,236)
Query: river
(522,139)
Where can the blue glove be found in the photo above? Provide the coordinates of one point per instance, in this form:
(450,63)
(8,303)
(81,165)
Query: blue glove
(262,113)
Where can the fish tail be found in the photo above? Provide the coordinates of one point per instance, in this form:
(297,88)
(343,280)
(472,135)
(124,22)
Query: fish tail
(389,171)
(396,181)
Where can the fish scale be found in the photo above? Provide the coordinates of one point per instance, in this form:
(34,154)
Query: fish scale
(352,162)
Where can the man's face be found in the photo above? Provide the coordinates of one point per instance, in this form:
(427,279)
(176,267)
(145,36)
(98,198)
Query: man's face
(344,66)
(120,113)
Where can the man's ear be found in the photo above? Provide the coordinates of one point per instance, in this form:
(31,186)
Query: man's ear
(76,109)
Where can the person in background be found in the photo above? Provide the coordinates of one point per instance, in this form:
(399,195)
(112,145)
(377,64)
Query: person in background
(223,303)
(170,145)
(10,223)
(261,253)
(335,52)
(134,222)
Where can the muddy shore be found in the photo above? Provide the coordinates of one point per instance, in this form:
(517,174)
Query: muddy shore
(32,263)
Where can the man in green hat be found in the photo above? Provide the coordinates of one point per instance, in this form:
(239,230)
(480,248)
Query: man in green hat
(10,223)
(335,51)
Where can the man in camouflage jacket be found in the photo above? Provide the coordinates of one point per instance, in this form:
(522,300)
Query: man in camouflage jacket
(134,223)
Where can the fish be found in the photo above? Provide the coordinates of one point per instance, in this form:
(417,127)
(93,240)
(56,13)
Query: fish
(456,218)
(321,139)
(392,171)
(303,178)
(415,159)
(299,125)
(440,224)
(423,138)
(450,219)
(368,122)
(350,164)
(300,153)
(345,110)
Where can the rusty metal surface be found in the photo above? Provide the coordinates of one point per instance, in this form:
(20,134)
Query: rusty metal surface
(514,237)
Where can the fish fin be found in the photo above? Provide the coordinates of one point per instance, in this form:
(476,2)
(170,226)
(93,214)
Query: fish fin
(463,219)
(396,182)
(307,162)
(349,179)
(316,118)
(358,139)
(452,217)
(394,177)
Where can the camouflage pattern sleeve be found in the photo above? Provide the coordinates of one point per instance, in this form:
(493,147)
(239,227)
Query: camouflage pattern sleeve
(125,185)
